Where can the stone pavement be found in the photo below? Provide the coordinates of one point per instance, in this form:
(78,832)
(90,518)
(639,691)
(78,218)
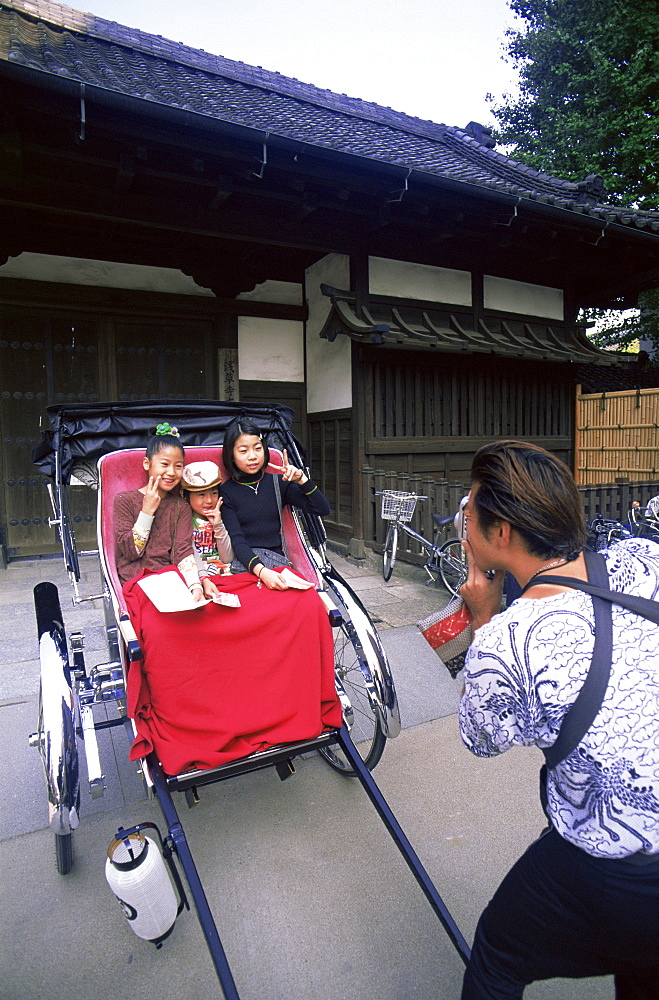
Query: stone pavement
(404,600)
(311,898)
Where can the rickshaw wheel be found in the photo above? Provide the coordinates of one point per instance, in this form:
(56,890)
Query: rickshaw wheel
(63,842)
(366,731)
(64,852)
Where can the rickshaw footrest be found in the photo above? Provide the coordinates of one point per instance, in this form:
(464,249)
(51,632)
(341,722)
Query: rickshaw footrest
(285,768)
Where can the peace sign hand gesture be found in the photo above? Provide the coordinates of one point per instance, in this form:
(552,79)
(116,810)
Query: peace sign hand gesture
(290,474)
(151,500)
(214,515)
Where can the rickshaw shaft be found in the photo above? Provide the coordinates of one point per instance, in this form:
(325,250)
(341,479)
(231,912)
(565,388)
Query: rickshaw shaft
(403,844)
(182,849)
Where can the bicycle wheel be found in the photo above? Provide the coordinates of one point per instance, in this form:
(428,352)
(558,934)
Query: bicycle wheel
(389,551)
(453,565)
(364,725)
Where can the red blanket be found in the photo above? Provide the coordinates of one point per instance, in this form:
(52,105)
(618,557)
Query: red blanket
(219,683)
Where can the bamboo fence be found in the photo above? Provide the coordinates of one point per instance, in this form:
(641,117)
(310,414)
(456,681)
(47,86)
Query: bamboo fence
(617,436)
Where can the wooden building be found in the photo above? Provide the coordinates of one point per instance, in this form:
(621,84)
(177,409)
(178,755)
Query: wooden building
(175,224)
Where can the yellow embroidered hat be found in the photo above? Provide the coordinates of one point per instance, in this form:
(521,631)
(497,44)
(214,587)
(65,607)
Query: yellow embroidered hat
(198,476)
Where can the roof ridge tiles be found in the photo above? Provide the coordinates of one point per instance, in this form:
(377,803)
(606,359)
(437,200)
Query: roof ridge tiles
(495,159)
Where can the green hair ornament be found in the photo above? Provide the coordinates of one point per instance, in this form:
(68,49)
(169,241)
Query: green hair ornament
(165,428)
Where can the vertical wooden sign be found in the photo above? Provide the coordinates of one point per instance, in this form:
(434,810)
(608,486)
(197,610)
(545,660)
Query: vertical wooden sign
(227,364)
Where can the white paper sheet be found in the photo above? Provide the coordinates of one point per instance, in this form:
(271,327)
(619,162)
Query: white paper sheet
(295,582)
(169,593)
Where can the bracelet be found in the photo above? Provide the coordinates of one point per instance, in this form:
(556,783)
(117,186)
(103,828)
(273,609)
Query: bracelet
(191,586)
(258,575)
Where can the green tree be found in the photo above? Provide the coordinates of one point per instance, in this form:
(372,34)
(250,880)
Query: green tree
(589,93)
(588,103)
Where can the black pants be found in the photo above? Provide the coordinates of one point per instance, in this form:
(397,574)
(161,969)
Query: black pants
(561,914)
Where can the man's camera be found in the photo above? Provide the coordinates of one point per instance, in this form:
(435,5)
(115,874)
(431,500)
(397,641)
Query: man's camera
(460,519)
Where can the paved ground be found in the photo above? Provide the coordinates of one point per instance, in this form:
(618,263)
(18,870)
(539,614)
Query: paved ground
(311,898)
(404,600)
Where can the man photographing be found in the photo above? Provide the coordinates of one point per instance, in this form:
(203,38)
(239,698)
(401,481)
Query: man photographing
(584,899)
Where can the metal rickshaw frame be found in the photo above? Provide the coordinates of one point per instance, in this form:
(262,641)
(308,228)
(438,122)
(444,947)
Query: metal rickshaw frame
(68,690)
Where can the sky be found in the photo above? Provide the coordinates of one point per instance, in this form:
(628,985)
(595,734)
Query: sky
(433,59)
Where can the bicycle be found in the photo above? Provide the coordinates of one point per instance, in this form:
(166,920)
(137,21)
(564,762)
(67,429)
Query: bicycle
(603,532)
(640,523)
(645,524)
(446,561)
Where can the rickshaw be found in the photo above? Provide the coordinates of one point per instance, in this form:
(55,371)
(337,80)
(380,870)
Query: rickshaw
(102,446)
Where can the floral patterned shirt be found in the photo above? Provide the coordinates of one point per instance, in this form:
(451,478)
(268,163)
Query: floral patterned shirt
(525,668)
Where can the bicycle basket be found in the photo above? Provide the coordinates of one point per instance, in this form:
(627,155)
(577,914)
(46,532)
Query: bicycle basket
(398,506)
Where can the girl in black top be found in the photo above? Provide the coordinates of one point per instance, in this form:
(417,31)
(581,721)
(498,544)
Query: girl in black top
(250,510)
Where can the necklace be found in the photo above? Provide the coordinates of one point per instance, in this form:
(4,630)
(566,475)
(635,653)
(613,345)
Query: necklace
(251,486)
(551,565)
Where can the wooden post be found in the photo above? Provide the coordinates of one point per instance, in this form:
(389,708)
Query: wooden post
(577,441)
(456,492)
(379,485)
(356,546)
(417,519)
(370,502)
(429,489)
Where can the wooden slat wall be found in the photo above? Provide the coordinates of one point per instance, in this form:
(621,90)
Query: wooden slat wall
(413,398)
(614,500)
(617,436)
(428,414)
(611,501)
(330,461)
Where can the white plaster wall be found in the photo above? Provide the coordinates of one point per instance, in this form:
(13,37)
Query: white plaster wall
(404,279)
(506,295)
(286,292)
(102,273)
(271,350)
(329,366)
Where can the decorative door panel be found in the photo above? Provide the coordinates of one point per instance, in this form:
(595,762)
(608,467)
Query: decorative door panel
(76,372)
(42,360)
(23,395)
(162,360)
(62,357)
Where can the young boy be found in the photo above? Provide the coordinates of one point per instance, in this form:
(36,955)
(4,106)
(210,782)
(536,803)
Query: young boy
(200,486)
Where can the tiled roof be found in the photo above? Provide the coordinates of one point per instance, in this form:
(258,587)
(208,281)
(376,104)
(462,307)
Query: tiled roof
(625,375)
(407,326)
(55,39)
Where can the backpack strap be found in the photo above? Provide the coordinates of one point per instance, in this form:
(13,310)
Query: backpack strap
(581,714)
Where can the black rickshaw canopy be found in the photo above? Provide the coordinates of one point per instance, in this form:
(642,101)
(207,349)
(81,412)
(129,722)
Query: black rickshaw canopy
(82,433)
